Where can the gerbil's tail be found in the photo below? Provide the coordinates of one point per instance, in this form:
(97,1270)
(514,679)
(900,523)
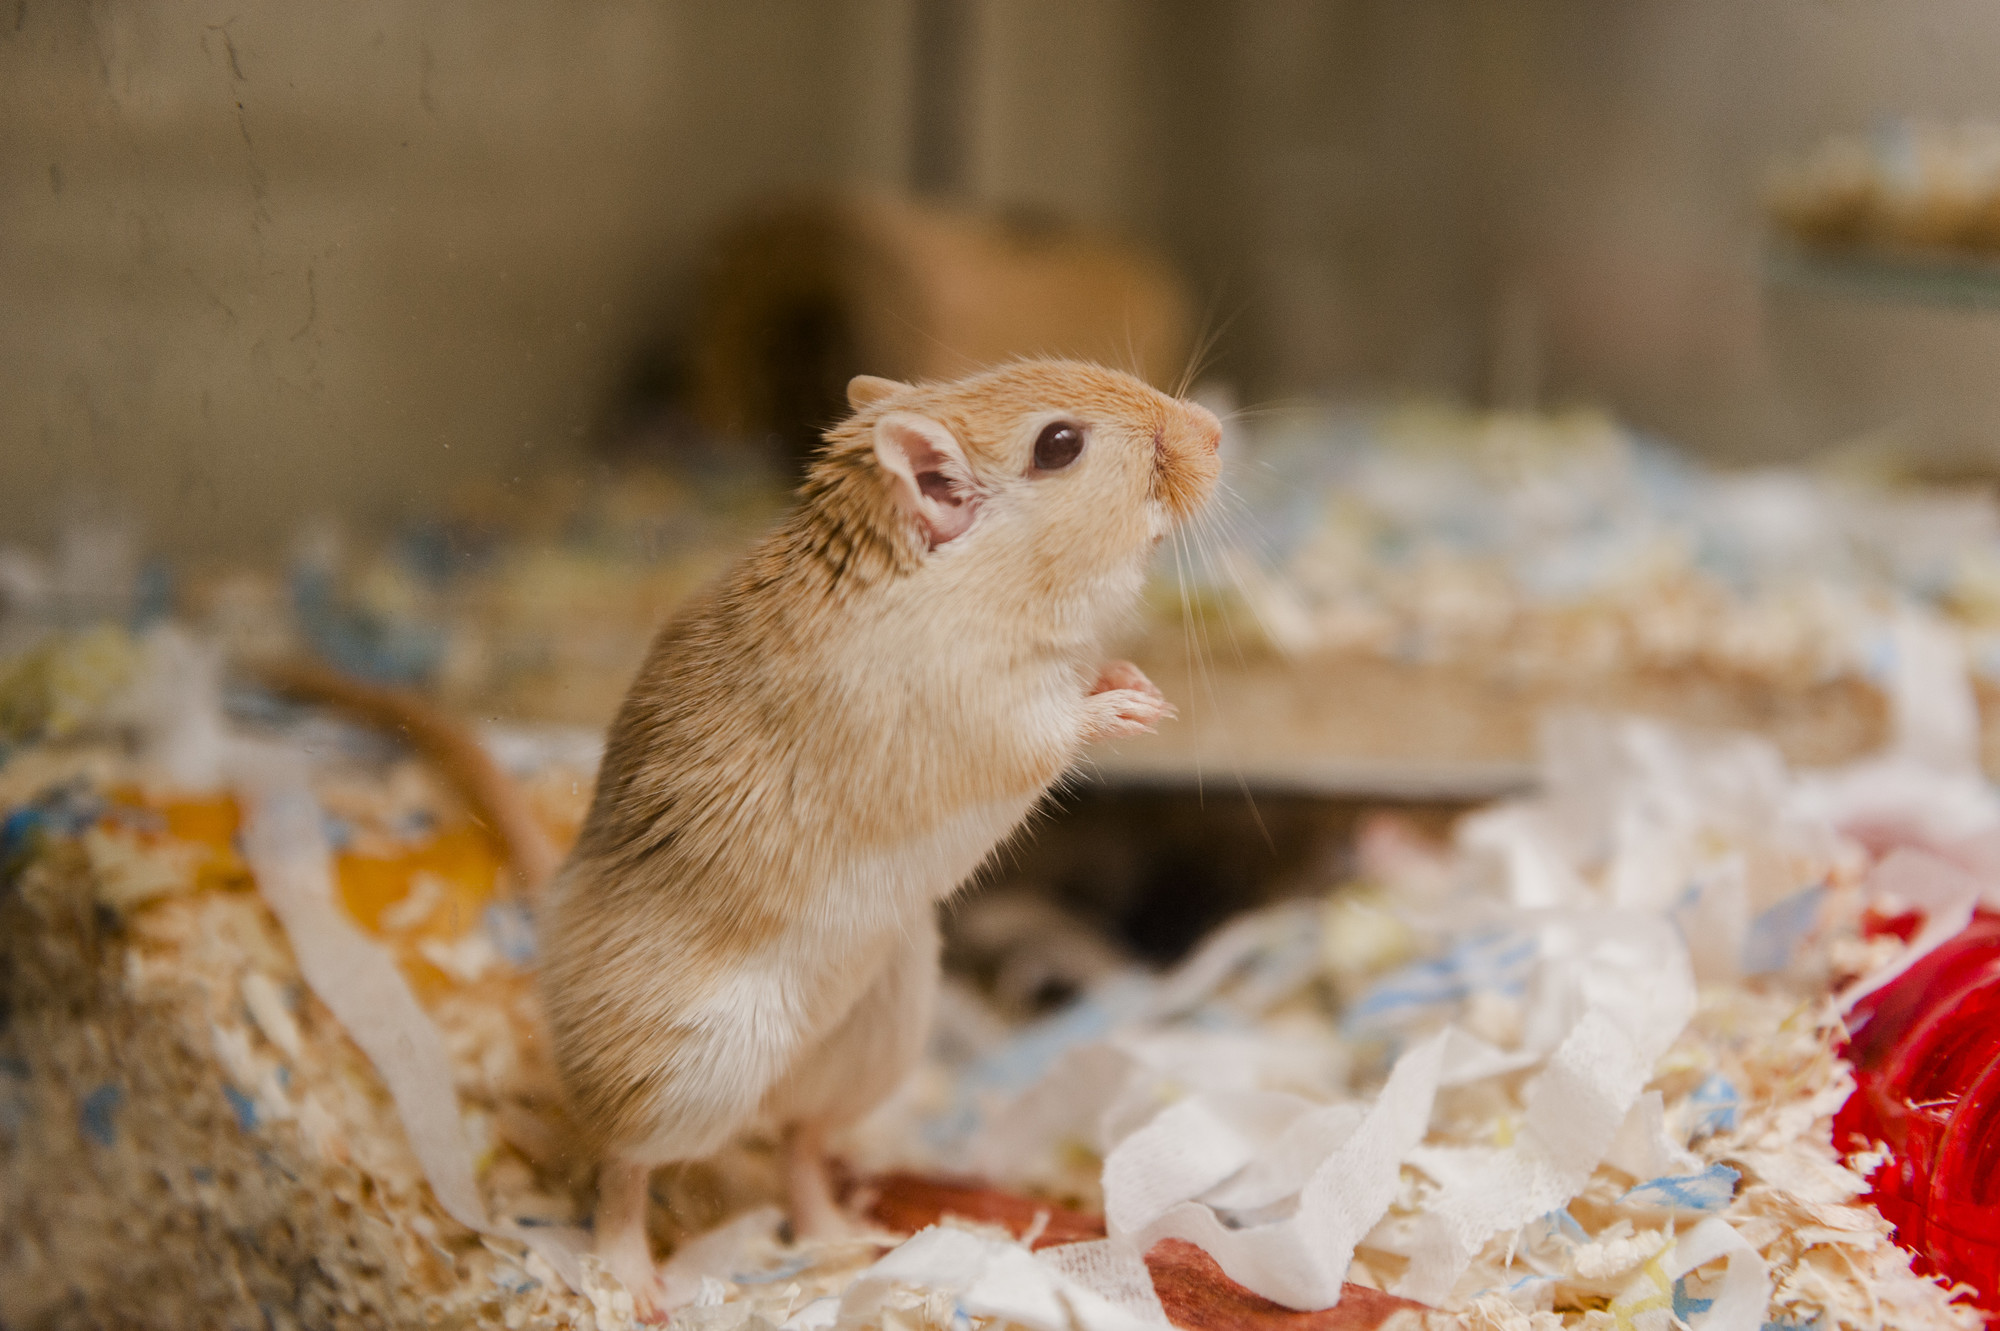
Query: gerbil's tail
(495,798)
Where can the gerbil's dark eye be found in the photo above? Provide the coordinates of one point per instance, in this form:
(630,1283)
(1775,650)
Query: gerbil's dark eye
(1059,444)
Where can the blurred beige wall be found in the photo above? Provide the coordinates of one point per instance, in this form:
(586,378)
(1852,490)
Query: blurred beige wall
(1559,200)
(1632,144)
(256,264)
(261,262)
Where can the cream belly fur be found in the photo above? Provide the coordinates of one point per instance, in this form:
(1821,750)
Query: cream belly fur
(826,1018)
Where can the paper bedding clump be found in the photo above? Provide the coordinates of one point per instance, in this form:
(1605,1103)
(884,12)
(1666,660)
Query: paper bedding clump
(1577,1068)
(1568,544)
(1413,588)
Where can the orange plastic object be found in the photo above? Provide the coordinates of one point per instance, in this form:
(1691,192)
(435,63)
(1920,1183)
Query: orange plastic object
(209,821)
(213,821)
(463,862)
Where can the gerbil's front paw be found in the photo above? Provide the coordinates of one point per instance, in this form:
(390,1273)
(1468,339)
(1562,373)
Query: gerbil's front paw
(1123,703)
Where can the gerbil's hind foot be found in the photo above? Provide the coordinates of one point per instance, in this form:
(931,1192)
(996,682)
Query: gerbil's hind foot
(1123,703)
(621,1236)
(809,1188)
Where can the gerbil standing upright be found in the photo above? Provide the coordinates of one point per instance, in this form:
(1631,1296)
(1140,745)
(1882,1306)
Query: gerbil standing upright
(826,744)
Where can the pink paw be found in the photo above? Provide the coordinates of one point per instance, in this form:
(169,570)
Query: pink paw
(651,1304)
(1123,703)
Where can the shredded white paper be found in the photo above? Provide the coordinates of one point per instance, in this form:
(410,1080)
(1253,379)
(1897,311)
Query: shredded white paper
(285,842)
(997,1278)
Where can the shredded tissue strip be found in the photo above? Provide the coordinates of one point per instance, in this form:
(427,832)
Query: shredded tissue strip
(285,843)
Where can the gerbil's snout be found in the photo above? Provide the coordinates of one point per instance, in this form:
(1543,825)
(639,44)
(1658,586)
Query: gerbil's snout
(1207,427)
(1186,452)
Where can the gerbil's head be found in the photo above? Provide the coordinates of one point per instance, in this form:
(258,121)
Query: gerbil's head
(1059,473)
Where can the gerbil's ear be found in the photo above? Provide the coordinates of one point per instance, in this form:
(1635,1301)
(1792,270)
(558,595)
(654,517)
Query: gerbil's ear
(927,466)
(865,388)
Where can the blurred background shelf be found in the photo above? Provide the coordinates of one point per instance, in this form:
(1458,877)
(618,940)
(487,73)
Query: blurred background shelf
(1907,278)
(1333,778)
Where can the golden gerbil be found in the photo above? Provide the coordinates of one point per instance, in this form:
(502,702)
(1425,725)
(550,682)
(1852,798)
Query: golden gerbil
(825,744)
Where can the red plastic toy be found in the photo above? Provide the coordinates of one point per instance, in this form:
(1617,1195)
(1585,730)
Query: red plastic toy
(1926,1055)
